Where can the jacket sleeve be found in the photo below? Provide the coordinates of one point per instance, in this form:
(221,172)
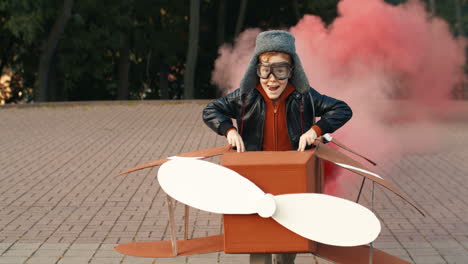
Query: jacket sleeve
(217,114)
(333,113)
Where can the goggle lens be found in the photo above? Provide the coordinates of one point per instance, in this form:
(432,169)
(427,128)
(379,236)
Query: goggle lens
(281,71)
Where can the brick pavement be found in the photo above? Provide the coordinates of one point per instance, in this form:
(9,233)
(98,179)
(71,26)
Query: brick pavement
(60,204)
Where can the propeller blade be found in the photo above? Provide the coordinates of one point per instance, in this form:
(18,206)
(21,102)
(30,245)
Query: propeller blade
(326,219)
(202,153)
(329,154)
(209,187)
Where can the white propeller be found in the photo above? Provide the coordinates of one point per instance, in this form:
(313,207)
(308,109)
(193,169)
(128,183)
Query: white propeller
(319,217)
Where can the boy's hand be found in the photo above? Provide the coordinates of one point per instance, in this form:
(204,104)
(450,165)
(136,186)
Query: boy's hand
(308,138)
(235,140)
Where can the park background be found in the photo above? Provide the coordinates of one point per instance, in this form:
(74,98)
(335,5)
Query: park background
(67,50)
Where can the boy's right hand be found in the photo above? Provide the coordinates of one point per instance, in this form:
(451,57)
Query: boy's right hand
(235,140)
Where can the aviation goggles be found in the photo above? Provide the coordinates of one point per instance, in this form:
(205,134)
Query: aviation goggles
(281,70)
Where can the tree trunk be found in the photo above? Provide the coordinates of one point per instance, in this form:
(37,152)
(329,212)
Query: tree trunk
(297,13)
(221,22)
(163,82)
(48,49)
(124,68)
(189,90)
(240,20)
(432,6)
(52,83)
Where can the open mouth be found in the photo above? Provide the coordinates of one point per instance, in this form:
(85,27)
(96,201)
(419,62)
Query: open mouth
(273,88)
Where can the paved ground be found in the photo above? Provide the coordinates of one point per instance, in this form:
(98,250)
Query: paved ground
(60,204)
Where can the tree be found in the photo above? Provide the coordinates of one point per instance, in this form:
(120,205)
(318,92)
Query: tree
(221,22)
(432,5)
(189,90)
(25,23)
(124,68)
(240,19)
(48,50)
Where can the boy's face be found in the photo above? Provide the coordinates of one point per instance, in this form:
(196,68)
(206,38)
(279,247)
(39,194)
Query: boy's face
(272,86)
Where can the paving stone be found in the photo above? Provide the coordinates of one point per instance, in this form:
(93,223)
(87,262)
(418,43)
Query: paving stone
(54,246)
(422,251)
(26,246)
(107,253)
(138,260)
(176,260)
(106,261)
(434,259)
(4,246)
(234,258)
(107,246)
(84,246)
(49,252)
(457,259)
(310,259)
(74,260)
(79,253)
(18,253)
(12,260)
(42,260)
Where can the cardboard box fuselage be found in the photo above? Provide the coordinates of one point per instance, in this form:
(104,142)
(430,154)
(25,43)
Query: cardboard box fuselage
(276,173)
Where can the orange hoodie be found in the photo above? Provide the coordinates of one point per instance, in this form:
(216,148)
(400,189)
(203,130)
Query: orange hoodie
(275,130)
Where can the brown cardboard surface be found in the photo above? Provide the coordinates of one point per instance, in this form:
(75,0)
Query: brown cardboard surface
(356,255)
(276,173)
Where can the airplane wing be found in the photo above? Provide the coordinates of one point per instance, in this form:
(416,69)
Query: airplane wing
(203,153)
(329,154)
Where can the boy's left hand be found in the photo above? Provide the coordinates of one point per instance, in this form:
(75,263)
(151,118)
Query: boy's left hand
(308,138)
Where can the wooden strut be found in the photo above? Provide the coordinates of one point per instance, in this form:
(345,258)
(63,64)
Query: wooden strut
(170,207)
(173,227)
(186,220)
(360,189)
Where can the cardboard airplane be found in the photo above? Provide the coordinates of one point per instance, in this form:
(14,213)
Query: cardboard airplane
(272,202)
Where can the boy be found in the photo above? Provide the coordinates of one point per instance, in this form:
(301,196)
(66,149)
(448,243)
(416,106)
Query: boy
(275,108)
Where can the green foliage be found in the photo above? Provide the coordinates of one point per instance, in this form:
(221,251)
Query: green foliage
(86,61)
(446,9)
(28,18)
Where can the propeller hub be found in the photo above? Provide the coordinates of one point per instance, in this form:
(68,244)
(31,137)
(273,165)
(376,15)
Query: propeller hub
(266,206)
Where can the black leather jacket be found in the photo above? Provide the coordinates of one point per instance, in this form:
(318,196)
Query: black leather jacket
(218,113)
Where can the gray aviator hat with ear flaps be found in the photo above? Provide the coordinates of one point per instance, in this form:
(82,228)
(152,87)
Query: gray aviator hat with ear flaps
(274,40)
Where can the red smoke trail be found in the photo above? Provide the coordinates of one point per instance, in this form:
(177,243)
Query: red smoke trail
(370,53)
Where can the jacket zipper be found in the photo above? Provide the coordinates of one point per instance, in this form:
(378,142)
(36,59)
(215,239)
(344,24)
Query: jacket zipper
(275,126)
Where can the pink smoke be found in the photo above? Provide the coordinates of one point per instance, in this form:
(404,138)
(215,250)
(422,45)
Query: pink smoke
(372,53)
(232,61)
